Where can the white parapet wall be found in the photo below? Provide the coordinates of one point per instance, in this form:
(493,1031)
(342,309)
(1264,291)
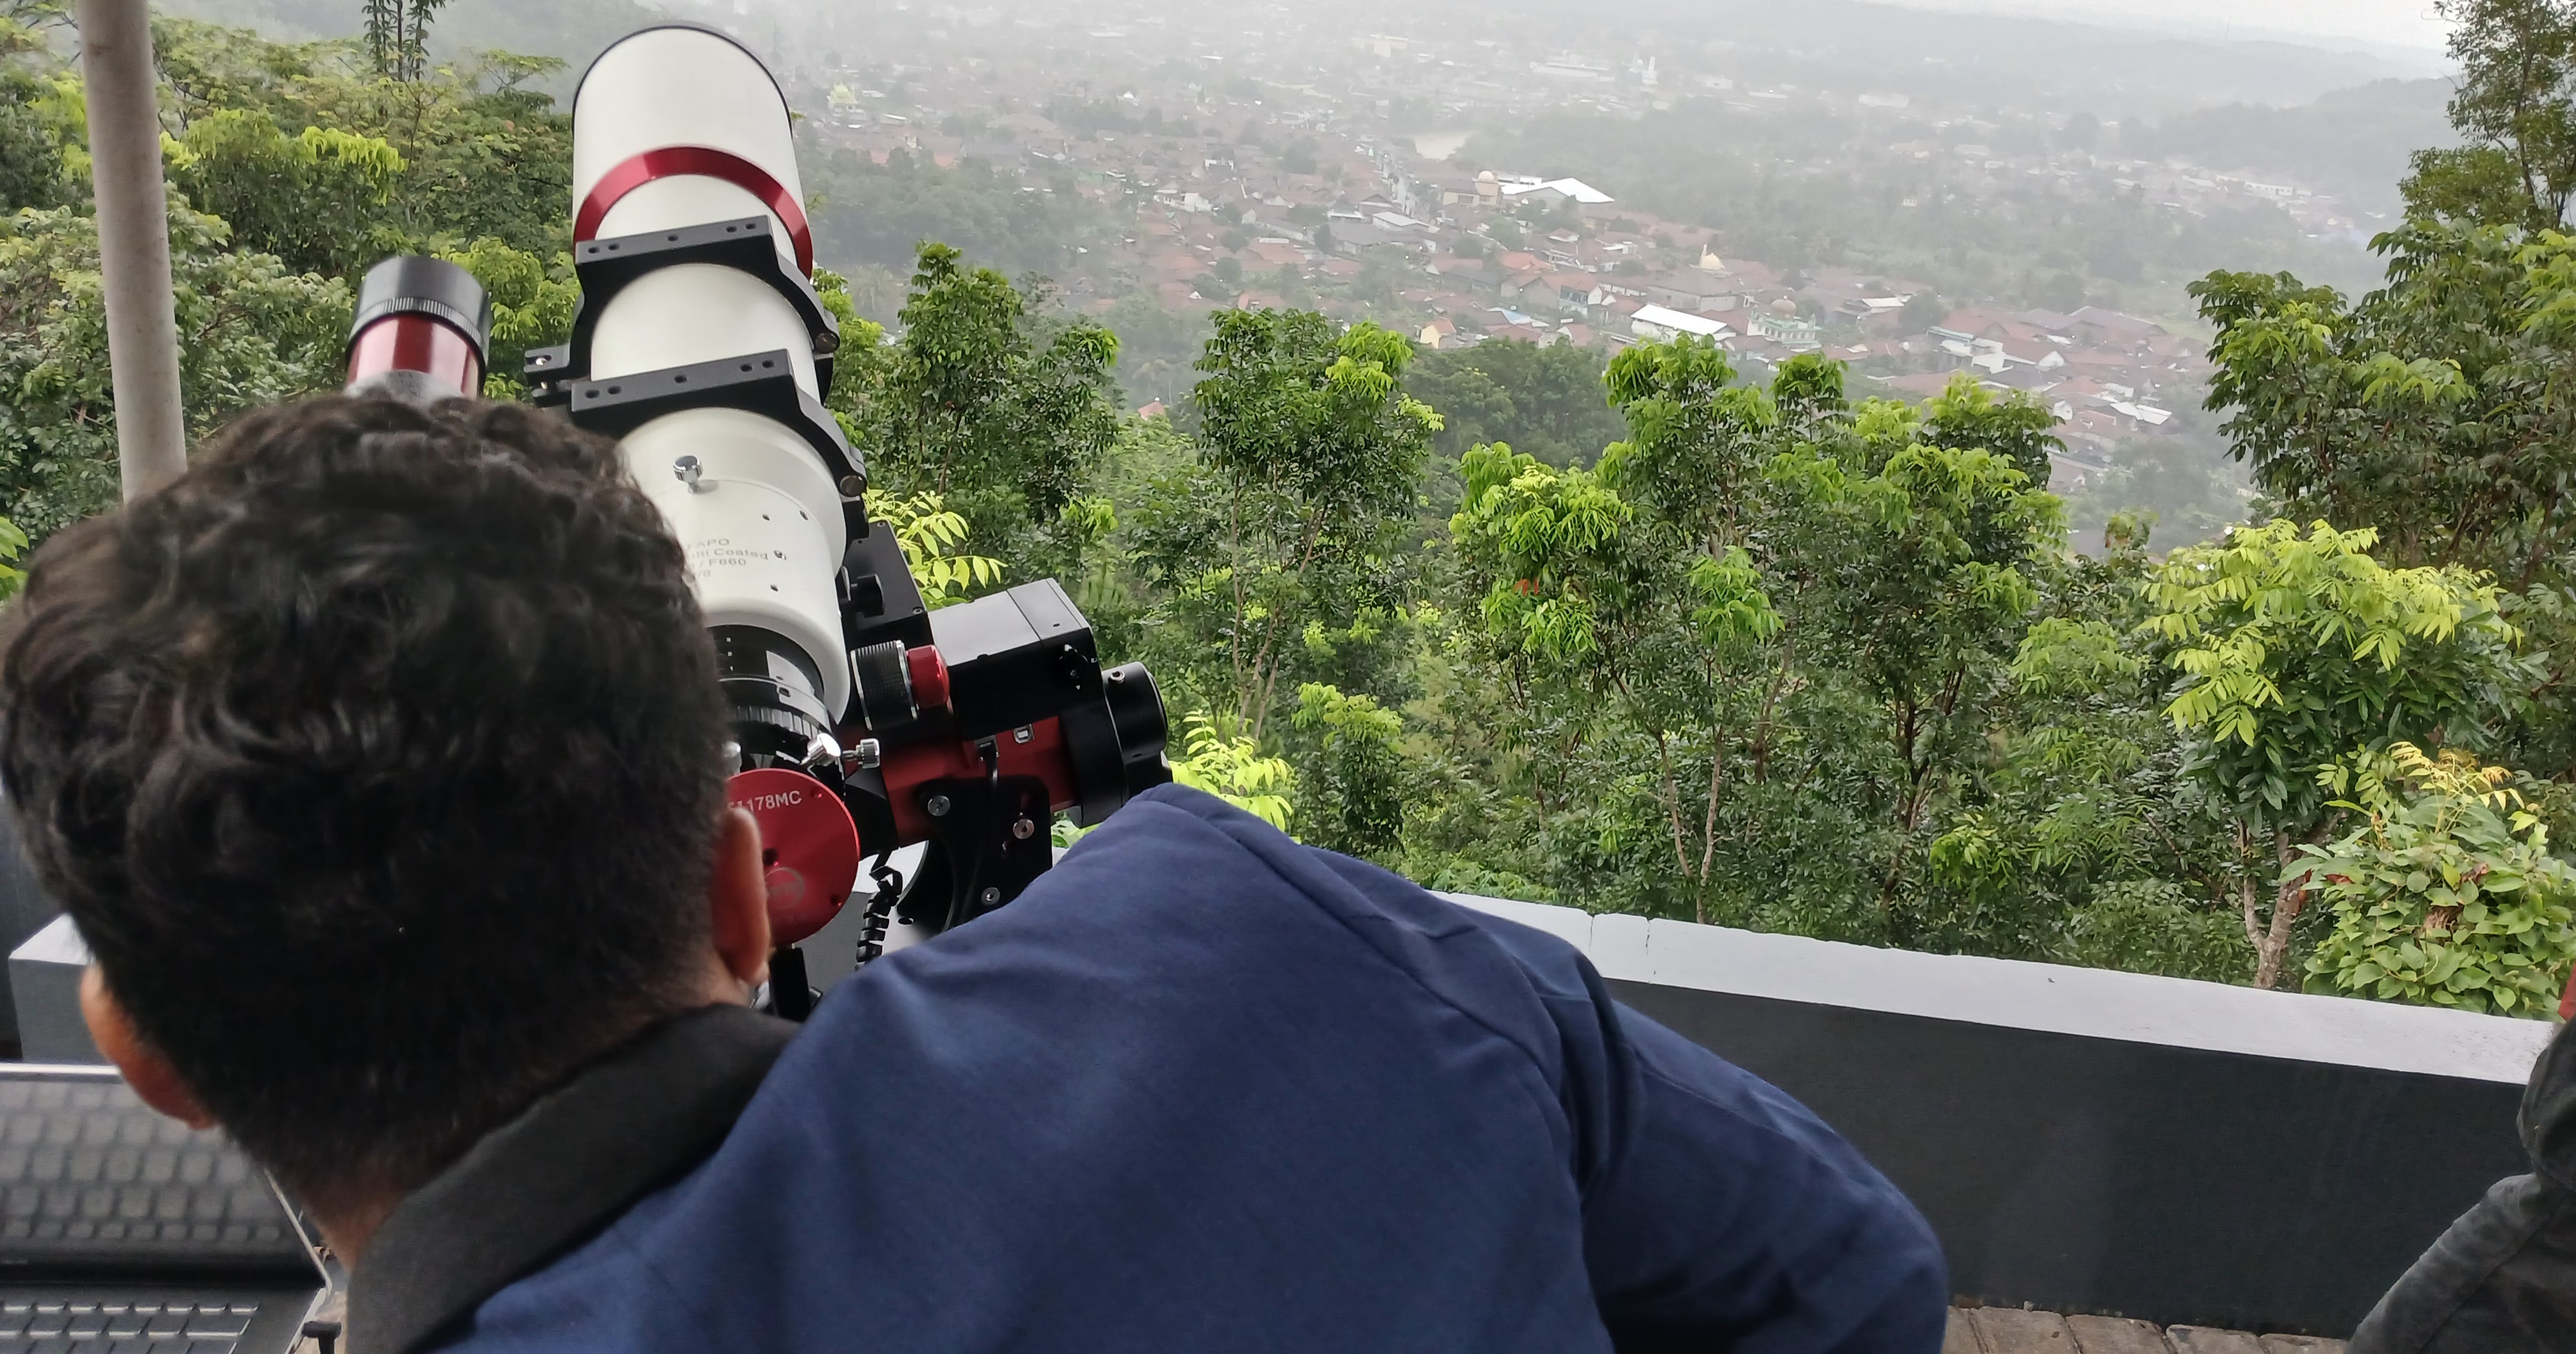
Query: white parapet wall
(2060,998)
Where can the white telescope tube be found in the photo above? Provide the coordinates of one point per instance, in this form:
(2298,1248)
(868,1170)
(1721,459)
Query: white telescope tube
(682,86)
(677,126)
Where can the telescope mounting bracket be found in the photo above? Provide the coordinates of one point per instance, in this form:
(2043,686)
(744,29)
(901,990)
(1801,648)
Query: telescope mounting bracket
(757,383)
(989,840)
(747,246)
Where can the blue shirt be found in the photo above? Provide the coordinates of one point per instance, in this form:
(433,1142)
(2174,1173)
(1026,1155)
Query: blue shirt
(1204,1089)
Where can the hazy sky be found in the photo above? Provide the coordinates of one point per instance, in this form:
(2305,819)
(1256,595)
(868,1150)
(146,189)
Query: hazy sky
(2395,23)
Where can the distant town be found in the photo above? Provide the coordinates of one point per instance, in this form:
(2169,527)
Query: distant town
(1263,163)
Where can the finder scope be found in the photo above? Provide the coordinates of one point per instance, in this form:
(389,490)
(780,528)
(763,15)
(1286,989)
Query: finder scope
(423,331)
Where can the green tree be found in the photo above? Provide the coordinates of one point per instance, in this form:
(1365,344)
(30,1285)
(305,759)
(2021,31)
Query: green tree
(533,303)
(2081,838)
(1540,552)
(323,164)
(1272,547)
(1606,626)
(2432,409)
(2297,650)
(1926,570)
(1234,769)
(482,153)
(398,35)
(932,540)
(2514,110)
(44,132)
(1000,409)
(1757,593)
(2427,409)
(1351,782)
(1966,417)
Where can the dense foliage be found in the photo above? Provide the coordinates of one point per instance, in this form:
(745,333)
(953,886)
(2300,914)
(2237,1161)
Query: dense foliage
(1639,635)
(1544,400)
(293,166)
(2445,892)
(2517,161)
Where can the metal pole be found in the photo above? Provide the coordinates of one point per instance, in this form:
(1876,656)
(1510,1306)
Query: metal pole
(133,241)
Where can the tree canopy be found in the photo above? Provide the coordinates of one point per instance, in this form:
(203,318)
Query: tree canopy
(2517,163)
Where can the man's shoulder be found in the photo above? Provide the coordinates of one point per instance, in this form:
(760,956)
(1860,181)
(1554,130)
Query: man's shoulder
(1174,846)
(1177,860)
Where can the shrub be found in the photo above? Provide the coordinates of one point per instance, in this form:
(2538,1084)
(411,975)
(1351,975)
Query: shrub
(2446,894)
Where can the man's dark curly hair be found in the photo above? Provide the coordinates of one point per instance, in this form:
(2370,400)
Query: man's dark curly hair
(377,759)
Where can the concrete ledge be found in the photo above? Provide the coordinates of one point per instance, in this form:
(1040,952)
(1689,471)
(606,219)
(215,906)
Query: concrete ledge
(2097,1003)
(2095,1142)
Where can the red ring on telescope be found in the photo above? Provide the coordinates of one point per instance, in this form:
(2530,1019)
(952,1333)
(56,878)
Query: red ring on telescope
(415,341)
(704,162)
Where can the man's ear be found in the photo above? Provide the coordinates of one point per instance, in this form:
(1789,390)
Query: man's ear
(149,1073)
(738,899)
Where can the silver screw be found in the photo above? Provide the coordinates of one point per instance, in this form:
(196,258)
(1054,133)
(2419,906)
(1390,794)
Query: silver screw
(864,757)
(852,486)
(1024,829)
(938,806)
(821,751)
(992,896)
(687,471)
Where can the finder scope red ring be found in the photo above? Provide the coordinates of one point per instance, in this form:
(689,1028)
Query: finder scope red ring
(412,341)
(704,162)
